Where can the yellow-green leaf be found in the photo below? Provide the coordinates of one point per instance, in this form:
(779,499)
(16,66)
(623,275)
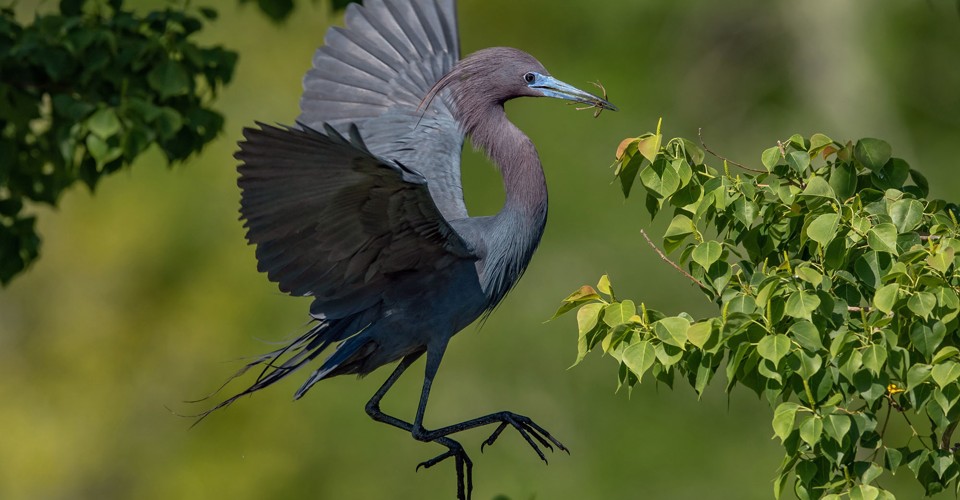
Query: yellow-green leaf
(639,357)
(587,317)
(699,333)
(619,313)
(783,418)
(707,253)
(672,330)
(945,373)
(823,229)
(885,298)
(774,347)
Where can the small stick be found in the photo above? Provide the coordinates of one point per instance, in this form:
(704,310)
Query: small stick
(599,109)
(704,144)
(668,261)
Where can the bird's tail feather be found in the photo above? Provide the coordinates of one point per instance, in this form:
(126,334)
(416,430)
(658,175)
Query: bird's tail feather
(298,352)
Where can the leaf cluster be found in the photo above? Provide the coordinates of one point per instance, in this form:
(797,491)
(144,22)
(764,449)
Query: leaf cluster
(279,11)
(85,92)
(836,285)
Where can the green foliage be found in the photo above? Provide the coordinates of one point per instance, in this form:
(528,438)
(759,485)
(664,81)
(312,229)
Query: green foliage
(279,10)
(85,92)
(836,285)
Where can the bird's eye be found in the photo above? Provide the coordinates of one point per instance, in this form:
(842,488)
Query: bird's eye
(529,77)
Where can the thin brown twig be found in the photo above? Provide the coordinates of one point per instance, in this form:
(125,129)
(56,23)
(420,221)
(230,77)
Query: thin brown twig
(668,261)
(782,153)
(707,149)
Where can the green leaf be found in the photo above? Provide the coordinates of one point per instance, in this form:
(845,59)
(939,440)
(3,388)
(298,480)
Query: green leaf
(587,317)
(823,229)
(817,187)
(922,304)
(680,227)
(883,238)
(874,357)
(604,285)
(886,297)
(800,304)
(809,274)
(818,141)
(926,338)
(945,354)
(837,426)
(798,161)
(770,158)
(892,458)
(783,418)
(649,146)
(864,492)
(806,334)
(660,178)
(941,259)
(872,153)
(918,374)
(906,214)
(707,253)
(774,347)
(843,180)
(627,174)
(639,357)
(619,313)
(104,123)
(699,333)
(809,364)
(810,431)
(169,79)
(945,373)
(672,330)
(586,293)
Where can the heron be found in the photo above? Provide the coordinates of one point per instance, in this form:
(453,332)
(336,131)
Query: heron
(360,205)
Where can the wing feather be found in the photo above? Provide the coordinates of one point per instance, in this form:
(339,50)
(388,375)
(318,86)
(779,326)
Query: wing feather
(375,72)
(333,221)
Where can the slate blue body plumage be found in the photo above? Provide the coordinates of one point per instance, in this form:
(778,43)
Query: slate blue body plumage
(360,205)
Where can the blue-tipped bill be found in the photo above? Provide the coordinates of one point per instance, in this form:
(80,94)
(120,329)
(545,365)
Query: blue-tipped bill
(551,87)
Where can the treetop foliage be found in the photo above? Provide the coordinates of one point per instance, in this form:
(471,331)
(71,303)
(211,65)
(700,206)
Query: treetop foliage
(85,92)
(836,285)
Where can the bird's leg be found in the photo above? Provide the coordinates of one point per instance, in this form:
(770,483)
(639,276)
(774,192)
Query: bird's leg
(454,449)
(531,432)
(528,429)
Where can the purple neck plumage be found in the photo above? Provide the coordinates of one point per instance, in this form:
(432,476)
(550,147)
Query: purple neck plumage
(519,225)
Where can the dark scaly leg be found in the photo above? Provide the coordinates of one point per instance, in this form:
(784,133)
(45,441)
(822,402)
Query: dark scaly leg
(454,449)
(528,429)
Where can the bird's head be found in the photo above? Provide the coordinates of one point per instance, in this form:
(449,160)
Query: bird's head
(495,75)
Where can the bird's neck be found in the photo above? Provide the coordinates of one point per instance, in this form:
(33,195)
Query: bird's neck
(519,225)
(516,157)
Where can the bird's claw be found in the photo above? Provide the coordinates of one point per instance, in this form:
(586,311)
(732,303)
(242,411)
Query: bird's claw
(463,464)
(530,431)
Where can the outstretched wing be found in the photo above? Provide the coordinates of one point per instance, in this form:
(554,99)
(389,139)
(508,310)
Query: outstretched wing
(375,73)
(331,220)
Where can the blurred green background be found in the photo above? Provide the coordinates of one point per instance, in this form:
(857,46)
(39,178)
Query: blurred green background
(146,294)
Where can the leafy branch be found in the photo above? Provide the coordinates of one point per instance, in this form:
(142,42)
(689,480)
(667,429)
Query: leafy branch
(90,89)
(836,285)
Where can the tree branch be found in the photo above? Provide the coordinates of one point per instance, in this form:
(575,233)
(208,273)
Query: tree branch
(707,149)
(668,261)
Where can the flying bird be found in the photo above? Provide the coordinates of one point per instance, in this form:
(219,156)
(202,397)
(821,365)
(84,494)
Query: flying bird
(360,204)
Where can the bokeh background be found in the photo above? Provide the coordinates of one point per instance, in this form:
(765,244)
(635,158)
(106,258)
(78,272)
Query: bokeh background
(146,294)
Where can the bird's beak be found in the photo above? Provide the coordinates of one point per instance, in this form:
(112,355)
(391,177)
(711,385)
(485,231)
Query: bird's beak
(551,87)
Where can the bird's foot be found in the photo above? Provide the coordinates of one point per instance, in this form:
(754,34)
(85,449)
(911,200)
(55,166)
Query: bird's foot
(463,464)
(530,431)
